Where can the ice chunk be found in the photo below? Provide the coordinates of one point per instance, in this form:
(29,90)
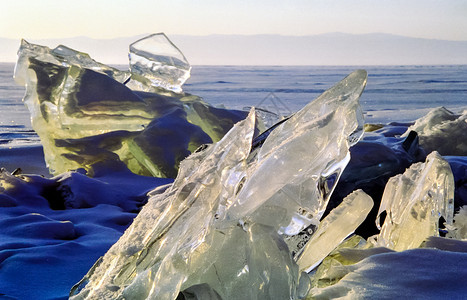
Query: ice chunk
(414,202)
(442,131)
(219,230)
(306,154)
(157,59)
(84,114)
(340,223)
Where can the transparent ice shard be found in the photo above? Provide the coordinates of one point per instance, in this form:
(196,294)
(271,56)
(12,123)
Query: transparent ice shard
(414,202)
(84,112)
(206,235)
(340,223)
(306,154)
(157,59)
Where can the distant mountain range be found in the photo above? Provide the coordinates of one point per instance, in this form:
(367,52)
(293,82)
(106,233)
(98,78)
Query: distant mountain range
(324,49)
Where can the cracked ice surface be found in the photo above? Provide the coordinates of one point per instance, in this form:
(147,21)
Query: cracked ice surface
(219,229)
(414,202)
(86,112)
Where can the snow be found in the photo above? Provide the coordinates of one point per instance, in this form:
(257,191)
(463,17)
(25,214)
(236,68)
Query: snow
(45,251)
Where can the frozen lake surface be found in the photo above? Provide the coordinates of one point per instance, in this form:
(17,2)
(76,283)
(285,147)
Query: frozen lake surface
(393,93)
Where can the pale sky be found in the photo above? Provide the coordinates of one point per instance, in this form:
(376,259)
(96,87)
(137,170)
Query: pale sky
(38,19)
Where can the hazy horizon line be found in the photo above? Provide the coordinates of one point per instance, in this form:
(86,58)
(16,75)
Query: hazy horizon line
(327,49)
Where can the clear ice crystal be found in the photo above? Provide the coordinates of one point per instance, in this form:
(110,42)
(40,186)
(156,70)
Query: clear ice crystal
(306,154)
(414,202)
(219,229)
(157,59)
